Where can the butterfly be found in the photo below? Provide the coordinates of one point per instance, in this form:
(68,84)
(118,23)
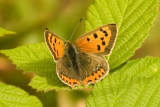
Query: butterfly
(82,62)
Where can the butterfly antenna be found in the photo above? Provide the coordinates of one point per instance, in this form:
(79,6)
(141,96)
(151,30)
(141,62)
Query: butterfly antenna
(75,29)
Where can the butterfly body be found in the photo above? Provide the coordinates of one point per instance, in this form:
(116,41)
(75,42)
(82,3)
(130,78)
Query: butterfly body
(83,62)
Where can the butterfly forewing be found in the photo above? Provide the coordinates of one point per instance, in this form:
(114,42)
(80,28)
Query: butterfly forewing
(100,40)
(55,44)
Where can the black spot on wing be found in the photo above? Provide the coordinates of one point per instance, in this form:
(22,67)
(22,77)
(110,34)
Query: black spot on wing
(74,83)
(95,71)
(88,39)
(95,35)
(92,73)
(102,73)
(53,44)
(102,38)
(54,49)
(104,31)
(106,34)
(51,39)
(98,47)
(103,43)
(98,69)
(89,81)
(55,40)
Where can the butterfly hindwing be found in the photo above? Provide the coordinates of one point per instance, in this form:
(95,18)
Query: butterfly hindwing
(55,44)
(100,40)
(67,73)
(92,68)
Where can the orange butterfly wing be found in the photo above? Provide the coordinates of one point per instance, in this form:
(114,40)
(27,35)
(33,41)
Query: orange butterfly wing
(55,44)
(100,40)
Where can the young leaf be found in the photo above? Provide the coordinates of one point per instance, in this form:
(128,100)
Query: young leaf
(4,31)
(16,97)
(133,17)
(135,84)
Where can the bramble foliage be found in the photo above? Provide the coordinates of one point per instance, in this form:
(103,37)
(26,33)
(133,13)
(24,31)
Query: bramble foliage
(16,97)
(135,83)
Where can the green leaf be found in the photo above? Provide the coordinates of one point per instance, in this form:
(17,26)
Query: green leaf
(47,82)
(133,17)
(31,58)
(37,58)
(4,31)
(136,84)
(16,97)
(146,67)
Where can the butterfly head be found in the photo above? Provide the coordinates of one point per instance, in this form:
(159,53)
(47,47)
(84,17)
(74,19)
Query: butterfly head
(68,42)
(70,49)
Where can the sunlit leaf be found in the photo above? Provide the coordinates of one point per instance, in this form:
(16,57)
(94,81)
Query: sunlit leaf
(11,96)
(135,84)
(133,19)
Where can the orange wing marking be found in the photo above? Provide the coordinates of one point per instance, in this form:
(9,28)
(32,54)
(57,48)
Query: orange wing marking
(94,77)
(56,45)
(72,82)
(95,42)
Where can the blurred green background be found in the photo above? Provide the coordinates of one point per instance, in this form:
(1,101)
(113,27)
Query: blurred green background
(29,18)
